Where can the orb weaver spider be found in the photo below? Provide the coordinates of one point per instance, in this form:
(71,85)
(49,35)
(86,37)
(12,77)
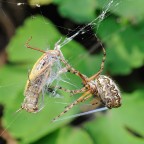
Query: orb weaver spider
(102,88)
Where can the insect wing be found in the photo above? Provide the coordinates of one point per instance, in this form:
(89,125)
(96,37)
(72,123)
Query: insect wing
(39,67)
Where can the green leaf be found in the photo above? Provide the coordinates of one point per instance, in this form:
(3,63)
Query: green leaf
(67,134)
(124,46)
(14,76)
(35,3)
(73,136)
(129,9)
(10,84)
(57,1)
(51,138)
(121,125)
(80,11)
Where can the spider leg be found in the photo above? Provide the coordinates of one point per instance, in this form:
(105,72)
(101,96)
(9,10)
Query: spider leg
(73,104)
(72,92)
(94,103)
(69,68)
(87,97)
(72,70)
(28,46)
(101,67)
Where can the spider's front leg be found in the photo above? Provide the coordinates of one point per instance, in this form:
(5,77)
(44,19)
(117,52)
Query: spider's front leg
(101,67)
(72,92)
(72,70)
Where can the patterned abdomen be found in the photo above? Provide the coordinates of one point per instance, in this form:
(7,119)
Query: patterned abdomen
(32,93)
(108,91)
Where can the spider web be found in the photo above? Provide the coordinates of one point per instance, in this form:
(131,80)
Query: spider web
(84,33)
(71,33)
(78,32)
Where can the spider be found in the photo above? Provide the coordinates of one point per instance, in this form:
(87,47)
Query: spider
(99,87)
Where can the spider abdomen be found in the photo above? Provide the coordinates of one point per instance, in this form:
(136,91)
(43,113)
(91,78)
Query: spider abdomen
(108,91)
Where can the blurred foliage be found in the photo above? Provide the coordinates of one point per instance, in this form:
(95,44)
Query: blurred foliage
(78,10)
(134,11)
(119,125)
(122,34)
(127,45)
(26,57)
(84,10)
(35,3)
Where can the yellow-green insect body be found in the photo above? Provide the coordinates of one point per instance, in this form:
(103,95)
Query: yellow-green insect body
(38,78)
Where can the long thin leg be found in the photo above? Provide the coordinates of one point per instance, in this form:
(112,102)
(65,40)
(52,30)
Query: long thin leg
(72,92)
(74,71)
(94,103)
(69,68)
(73,104)
(87,97)
(102,64)
(28,46)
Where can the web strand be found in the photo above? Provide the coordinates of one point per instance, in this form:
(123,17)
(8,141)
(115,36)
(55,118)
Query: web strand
(95,23)
(81,114)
